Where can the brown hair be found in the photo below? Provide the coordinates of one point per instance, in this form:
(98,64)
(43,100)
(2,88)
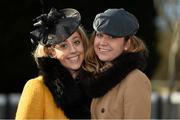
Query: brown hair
(92,62)
(136,44)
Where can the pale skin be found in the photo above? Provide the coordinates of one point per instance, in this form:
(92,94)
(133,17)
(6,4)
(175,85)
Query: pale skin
(70,53)
(107,48)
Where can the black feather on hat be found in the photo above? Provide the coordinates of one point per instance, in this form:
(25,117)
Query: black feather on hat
(116,22)
(56,26)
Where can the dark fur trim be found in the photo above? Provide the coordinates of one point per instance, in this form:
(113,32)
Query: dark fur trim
(66,91)
(100,84)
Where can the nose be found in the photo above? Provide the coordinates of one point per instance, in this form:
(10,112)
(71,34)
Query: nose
(103,41)
(72,48)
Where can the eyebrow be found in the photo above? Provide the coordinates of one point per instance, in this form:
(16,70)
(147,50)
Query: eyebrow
(76,37)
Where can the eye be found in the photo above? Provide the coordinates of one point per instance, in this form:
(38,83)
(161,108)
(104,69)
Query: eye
(77,42)
(61,46)
(99,35)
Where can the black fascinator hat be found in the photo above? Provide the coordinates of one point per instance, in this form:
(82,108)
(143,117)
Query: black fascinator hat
(55,27)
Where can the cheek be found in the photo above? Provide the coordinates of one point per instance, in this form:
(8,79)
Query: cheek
(95,45)
(96,42)
(118,49)
(81,49)
(62,60)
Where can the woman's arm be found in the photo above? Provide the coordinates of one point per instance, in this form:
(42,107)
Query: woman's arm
(31,102)
(137,96)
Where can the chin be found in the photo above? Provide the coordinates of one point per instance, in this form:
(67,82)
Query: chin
(103,59)
(77,67)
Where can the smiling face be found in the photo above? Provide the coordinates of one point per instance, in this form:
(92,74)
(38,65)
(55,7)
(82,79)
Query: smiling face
(70,52)
(107,48)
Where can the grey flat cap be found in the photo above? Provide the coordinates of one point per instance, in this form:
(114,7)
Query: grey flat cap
(56,26)
(116,22)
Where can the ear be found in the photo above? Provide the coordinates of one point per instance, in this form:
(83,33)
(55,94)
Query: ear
(51,52)
(127,45)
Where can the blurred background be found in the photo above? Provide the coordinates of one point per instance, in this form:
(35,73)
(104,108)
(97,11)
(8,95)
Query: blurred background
(159,28)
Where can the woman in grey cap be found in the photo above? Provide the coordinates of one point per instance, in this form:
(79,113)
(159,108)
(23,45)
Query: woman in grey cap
(113,73)
(55,93)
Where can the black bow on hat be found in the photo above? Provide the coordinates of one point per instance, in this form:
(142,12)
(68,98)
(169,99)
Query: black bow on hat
(56,26)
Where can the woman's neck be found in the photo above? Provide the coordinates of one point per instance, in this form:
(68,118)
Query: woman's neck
(74,73)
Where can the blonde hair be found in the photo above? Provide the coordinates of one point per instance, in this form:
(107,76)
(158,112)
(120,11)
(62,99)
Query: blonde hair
(43,51)
(92,62)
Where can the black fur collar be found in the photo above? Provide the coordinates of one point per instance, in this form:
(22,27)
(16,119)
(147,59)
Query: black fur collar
(100,84)
(65,90)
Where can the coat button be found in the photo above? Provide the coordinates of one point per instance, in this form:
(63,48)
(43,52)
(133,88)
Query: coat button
(102,110)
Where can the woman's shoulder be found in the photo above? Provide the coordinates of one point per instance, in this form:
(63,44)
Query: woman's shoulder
(31,100)
(137,77)
(137,74)
(35,83)
(33,89)
(36,80)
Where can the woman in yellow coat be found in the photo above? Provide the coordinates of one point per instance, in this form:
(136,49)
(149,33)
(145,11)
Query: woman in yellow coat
(56,93)
(115,60)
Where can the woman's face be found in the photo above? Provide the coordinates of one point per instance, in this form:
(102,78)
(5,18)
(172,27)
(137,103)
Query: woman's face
(70,52)
(107,48)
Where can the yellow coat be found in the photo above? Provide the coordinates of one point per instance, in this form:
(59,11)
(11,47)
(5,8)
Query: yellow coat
(37,102)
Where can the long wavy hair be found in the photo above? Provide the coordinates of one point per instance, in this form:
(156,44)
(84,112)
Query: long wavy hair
(92,62)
